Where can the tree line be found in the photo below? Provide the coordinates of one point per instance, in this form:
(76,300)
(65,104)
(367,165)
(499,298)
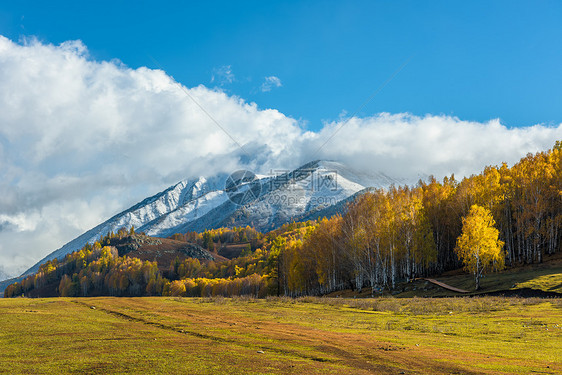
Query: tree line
(97,270)
(402,233)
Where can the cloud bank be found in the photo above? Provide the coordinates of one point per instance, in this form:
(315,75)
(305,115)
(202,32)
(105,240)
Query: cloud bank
(81,140)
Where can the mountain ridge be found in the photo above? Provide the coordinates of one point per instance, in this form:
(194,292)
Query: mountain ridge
(203,203)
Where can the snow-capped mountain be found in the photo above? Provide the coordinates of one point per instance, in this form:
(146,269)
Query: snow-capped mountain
(264,202)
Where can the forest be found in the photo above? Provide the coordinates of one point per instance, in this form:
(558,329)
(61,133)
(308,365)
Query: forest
(384,236)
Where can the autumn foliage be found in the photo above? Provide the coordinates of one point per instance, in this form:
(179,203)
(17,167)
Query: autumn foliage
(478,246)
(504,215)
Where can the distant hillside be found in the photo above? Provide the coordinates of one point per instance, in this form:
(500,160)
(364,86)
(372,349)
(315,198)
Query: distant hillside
(5,283)
(204,203)
(162,250)
(119,264)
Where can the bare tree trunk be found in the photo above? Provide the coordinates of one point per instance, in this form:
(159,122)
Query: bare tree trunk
(477,281)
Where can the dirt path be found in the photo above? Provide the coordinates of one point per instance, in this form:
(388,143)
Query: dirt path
(447,286)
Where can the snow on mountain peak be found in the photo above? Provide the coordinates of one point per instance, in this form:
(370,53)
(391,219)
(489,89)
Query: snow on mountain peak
(203,203)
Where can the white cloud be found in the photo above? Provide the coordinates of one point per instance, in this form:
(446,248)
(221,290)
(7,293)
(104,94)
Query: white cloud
(81,140)
(222,75)
(75,131)
(269,83)
(407,145)
(19,222)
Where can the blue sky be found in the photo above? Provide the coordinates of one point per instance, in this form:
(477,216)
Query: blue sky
(475,60)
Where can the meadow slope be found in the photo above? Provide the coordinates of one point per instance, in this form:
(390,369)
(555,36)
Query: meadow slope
(280,335)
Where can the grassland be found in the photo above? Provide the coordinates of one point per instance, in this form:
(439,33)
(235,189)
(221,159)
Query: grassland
(278,335)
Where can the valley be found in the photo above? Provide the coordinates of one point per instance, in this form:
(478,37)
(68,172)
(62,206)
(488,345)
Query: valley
(383,286)
(273,187)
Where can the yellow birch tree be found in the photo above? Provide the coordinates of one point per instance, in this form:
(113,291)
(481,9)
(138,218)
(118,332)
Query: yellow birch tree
(478,246)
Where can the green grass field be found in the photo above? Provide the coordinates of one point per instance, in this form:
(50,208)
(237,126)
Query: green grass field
(303,336)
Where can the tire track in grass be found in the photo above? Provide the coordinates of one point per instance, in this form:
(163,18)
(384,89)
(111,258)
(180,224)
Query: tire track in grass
(365,359)
(205,336)
(367,355)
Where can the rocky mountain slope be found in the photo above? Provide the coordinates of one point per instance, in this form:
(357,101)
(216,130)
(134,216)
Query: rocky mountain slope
(264,202)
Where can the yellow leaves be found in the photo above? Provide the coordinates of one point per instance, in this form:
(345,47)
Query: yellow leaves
(106,252)
(253,284)
(239,271)
(478,246)
(177,289)
(50,268)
